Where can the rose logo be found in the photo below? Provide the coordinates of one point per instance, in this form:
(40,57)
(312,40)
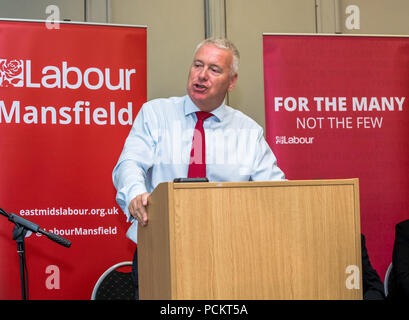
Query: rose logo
(11,73)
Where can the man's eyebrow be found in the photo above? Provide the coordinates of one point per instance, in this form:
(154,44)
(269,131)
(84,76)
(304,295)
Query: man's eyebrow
(211,66)
(217,66)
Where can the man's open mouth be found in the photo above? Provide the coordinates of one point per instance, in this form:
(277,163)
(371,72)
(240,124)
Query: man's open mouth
(199,87)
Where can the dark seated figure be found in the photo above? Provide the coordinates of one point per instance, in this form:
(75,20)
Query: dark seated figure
(398,286)
(372,284)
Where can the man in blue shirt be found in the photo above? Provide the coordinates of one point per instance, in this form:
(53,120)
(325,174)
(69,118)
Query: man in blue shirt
(158,148)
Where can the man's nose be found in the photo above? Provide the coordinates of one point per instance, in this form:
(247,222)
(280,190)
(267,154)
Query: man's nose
(203,74)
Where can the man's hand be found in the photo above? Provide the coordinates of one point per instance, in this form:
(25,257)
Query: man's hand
(137,208)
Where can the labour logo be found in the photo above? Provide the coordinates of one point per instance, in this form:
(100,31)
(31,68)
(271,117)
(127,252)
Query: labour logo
(11,73)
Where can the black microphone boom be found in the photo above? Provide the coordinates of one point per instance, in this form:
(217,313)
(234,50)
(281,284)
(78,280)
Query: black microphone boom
(36,229)
(21,227)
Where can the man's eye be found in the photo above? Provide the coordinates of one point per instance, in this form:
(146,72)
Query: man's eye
(216,70)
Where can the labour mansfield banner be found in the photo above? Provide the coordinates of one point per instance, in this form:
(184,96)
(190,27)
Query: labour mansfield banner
(338,107)
(68,97)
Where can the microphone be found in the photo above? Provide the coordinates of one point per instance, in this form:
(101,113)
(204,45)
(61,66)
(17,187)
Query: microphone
(36,229)
(56,238)
(21,227)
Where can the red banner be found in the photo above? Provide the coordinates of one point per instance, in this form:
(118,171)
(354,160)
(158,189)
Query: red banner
(68,97)
(338,107)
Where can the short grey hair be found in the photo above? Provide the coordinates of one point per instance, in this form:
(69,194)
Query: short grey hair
(226,44)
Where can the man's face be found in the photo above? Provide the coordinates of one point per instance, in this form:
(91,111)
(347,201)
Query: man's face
(210,77)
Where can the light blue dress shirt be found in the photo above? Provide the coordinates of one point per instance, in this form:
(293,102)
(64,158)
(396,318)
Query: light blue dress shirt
(158,147)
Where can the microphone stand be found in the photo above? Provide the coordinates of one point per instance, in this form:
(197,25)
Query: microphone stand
(22,226)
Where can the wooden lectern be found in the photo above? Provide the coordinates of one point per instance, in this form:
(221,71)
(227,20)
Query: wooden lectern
(252,240)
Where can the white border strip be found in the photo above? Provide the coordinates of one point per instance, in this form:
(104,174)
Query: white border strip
(336,35)
(75,22)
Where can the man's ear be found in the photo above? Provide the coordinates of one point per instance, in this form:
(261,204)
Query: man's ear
(233,81)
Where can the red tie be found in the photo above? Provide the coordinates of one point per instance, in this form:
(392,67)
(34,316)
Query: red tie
(197,164)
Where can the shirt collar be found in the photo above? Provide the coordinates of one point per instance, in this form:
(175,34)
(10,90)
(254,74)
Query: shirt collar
(190,107)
